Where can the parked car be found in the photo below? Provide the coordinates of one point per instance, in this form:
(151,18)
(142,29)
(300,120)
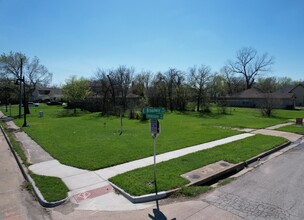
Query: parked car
(54,103)
(33,104)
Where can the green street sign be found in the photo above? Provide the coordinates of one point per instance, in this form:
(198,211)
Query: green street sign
(155,116)
(160,110)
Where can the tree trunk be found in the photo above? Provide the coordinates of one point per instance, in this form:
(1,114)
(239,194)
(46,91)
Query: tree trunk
(198,104)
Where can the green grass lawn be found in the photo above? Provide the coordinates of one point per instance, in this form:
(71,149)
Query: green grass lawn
(92,142)
(293,128)
(52,188)
(140,181)
(280,113)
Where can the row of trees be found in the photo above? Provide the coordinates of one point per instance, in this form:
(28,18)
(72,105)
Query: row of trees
(110,90)
(180,90)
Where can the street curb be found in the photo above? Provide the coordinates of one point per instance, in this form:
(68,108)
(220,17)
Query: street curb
(41,199)
(28,178)
(256,158)
(143,198)
(164,194)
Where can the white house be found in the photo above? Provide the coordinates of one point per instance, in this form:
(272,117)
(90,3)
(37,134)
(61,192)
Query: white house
(46,94)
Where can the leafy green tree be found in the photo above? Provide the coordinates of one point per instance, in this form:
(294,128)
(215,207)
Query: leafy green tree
(76,91)
(267,84)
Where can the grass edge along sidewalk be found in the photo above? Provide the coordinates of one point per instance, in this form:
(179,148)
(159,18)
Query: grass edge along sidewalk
(140,181)
(52,189)
(298,129)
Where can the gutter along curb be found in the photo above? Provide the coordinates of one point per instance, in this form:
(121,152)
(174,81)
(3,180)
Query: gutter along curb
(28,178)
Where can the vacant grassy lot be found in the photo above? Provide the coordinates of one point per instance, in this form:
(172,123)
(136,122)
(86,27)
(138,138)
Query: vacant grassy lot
(140,181)
(92,142)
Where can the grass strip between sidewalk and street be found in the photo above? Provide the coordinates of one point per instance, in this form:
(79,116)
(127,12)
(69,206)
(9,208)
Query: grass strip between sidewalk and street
(140,181)
(52,188)
(299,129)
(16,145)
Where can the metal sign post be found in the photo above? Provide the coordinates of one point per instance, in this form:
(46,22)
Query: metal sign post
(154,114)
(155,184)
(155,129)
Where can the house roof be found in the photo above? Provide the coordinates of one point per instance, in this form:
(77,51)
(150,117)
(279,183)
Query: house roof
(249,93)
(288,89)
(254,93)
(53,91)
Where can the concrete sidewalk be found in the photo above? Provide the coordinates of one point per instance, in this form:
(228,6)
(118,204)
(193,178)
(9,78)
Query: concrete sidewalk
(51,167)
(84,183)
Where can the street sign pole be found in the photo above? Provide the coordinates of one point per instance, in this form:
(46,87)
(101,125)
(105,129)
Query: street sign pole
(155,184)
(154,114)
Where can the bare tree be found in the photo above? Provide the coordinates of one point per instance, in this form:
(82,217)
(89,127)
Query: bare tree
(157,92)
(120,81)
(268,104)
(11,64)
(198,80)
(141,83)
(229,77)
(181,93)
(171,78)
(35,73)
(102,88)
(7,91)
(249,64)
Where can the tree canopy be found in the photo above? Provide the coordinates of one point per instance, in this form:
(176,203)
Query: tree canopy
(76,90)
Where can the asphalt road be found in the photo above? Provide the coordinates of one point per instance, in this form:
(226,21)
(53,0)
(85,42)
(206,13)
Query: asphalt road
(15,201)
(274,190)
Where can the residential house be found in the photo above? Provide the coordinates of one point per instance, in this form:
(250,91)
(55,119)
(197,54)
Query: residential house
(255,98)
(298,92)
(46,95)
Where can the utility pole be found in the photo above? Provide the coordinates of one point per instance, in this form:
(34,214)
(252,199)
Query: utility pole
(24,105)
(20,81)
(20,95)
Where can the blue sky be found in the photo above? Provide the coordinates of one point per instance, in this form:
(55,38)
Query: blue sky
(75,37)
